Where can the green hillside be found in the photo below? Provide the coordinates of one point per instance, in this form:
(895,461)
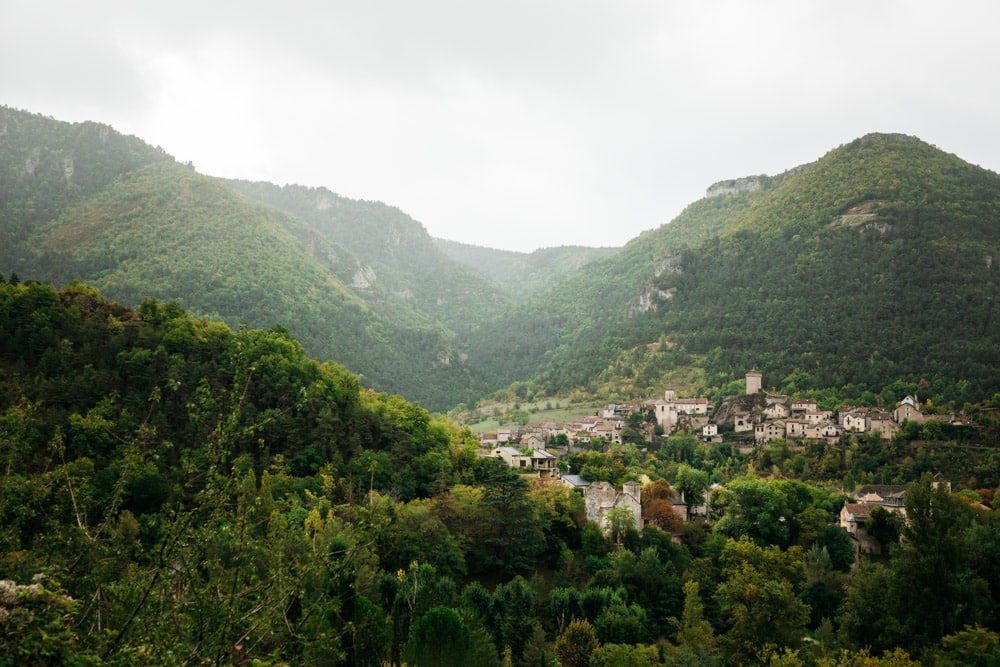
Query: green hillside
(135,224)
(174,492)
(176,488)
(46,165)
(399,269)
(522,275)
(872,265)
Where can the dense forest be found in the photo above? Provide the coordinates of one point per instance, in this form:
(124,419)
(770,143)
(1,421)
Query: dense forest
(82,202)
(173,491)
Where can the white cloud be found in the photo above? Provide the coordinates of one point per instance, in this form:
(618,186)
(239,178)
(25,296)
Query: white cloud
(518,124)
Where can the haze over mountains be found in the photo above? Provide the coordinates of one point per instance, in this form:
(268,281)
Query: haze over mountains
(875,264)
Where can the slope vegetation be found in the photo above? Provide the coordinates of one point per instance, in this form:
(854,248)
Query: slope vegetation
(872,265)
(135,224)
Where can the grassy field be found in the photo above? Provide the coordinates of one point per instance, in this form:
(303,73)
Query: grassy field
(493,416)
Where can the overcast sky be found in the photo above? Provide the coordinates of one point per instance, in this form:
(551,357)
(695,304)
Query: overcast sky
(515,124)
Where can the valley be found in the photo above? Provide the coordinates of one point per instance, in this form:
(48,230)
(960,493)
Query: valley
(251,424)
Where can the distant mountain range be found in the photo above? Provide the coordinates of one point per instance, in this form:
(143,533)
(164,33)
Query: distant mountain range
(876,264)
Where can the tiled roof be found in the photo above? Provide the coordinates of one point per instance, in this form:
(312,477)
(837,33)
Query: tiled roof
(858,510)
(884,490)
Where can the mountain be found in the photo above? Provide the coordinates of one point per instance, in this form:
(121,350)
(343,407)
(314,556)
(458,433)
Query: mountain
(82,202)
(399,268)
(873,265)
(522,275)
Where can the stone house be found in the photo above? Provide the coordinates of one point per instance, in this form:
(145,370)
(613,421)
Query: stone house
(534,441)
(853,419)
(826,431)
(882,422)
(769,430)
(575,482)
(800,406)
(854,516)
(817,416)
(742,422)
(795,429)
(608,432)
(600,498)
(889,496)
(854,519)
(909,410)
(777,407)
(669,410)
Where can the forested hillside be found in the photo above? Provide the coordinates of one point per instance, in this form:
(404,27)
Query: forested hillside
(174,492)
(520,274)
(81,202)
(874,264)
(399,268)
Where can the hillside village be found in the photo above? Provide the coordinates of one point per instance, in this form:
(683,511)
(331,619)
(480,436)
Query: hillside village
(764,416)
(748,421)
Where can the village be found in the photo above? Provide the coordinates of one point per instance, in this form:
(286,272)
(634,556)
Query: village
(750,420)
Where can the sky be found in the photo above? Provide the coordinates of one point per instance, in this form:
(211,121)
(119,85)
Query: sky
(518,124)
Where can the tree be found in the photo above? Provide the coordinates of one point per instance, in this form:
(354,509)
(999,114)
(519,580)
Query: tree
(621,624)
(617,655)
(691,483)
(972,647)
(563,607)
(512,615)
(935,586)
(511,534)
(755,508)
(885,526)
(696,643)
(657,509)
(840,547)
(761,604)
(439,639)
(620,521)
(863,658)
(867,616)
(577,644)
(35,626)
(593,541)
(660,513)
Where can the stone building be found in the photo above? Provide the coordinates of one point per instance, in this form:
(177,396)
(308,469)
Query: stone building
(600,498)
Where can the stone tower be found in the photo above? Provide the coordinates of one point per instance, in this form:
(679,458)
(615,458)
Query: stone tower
(753,382)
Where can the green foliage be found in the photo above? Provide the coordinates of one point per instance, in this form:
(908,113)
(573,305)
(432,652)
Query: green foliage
(195,494)
(862,266)
(974,646)
(760,601)
(36,626)
(440,639)
(577,644)
(522,275)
